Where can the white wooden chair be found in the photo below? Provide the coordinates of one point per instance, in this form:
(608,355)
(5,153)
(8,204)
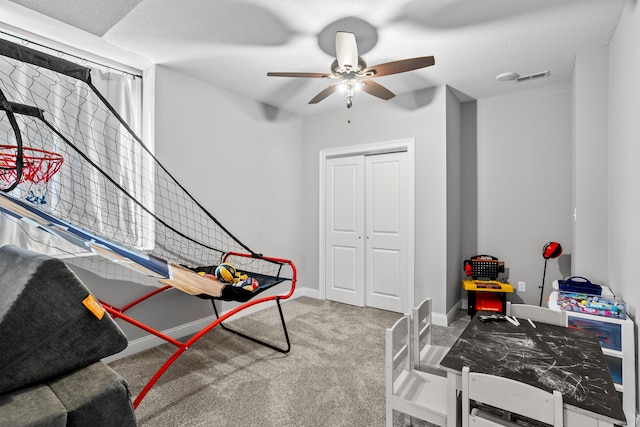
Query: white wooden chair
(514,397)
(415,393)
(425,356)
(537,314)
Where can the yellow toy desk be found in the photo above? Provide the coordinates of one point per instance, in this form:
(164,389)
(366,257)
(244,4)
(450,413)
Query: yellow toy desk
(486,295)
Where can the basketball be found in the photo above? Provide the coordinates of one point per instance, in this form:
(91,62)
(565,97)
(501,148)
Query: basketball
(225,272)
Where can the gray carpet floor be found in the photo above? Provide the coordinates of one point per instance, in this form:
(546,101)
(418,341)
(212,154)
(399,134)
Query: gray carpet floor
(333,376)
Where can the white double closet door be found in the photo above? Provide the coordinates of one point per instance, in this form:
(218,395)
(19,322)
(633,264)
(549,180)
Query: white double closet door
(366,242)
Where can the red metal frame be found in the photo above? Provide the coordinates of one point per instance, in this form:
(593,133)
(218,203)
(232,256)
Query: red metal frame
(183,346)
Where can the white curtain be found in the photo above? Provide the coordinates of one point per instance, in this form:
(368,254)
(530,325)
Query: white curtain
(136,167)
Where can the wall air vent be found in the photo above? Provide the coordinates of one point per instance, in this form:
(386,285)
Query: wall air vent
(533,76)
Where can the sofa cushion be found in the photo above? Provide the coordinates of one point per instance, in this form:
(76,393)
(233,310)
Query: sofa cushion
(95,396)
(45,329)
(32,406)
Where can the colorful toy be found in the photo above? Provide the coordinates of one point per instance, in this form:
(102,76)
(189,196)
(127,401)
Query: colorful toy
(239,277)
(248,284)
(593,304)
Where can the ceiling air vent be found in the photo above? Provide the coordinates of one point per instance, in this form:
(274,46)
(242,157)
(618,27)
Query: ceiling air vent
(533,76)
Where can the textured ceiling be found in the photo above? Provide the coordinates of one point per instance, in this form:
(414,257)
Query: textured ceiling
(233,44)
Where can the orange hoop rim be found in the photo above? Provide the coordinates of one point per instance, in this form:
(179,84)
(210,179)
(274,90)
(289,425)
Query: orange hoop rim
(46,155)
(37,168)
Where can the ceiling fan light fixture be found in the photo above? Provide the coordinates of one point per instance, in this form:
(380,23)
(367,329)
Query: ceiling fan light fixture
(349,86)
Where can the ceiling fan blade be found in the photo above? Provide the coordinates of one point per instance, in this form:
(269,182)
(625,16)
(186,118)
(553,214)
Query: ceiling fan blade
(346,50)
(400,66)
(311,75)
(324,93)
(375,89)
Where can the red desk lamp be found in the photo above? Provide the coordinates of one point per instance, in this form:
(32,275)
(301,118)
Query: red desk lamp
(549,251)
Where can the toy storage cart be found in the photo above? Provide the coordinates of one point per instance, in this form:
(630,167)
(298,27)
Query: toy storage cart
(618,343)
(617,340)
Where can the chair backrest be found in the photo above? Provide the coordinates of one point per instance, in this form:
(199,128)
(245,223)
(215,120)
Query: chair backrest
(509,395)
(537,314)
(397,350)
(415,393)
(421,331)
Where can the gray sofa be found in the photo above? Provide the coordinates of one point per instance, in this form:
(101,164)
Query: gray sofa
(52,337)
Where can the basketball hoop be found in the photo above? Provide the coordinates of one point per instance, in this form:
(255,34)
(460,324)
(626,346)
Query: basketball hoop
(38,166)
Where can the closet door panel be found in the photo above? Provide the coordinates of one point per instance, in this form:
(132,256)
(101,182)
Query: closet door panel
(344,230)
(386,200)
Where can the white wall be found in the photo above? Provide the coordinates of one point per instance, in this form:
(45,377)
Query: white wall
(239,158)
(421,116)
(469,178)
(455,213)
(624,156)
(589,164)
(524,183)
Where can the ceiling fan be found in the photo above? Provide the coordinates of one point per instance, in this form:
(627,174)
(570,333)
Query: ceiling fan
(353,73)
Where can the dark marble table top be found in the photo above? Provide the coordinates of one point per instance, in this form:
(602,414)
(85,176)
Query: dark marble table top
(548,357)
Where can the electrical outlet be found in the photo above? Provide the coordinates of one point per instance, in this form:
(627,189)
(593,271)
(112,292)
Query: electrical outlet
(522,287)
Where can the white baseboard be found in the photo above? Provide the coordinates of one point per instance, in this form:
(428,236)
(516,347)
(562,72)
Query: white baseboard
(150,341)
(446,319)
(306,292)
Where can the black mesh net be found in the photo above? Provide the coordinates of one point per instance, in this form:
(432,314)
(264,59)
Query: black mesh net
(109,182)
